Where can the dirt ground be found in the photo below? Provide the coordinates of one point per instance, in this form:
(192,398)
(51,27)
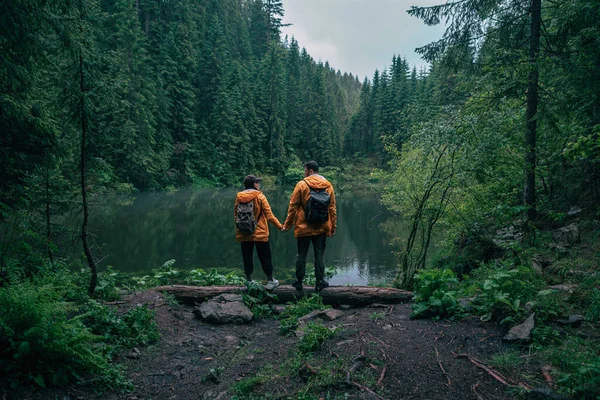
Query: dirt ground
(409,359)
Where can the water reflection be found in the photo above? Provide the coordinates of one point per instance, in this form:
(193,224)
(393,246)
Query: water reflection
(139,233)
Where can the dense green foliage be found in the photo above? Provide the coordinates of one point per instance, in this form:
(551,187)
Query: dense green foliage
(53,334)
(175,93)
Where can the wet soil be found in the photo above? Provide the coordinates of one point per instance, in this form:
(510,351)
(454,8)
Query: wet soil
(406,359)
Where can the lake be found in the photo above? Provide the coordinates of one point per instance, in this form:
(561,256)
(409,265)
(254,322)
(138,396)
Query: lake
(196,228)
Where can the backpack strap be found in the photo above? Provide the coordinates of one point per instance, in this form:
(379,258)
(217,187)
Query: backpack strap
(261,209)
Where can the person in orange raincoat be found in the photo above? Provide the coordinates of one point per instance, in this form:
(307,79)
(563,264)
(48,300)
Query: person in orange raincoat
(252,228)
(307,233)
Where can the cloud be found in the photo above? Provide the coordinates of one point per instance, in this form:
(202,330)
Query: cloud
(359,36)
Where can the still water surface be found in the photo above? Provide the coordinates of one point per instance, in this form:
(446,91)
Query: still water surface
(196,228)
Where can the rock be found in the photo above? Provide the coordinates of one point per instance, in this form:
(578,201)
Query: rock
(506,236)
(573,211)
(225,312)
(465,303)
(537,267)
(521,333)
(231,339)
(345,342)
(567,236)
(574,321)
(528,307)
(378,305)
(344,307)
(202,349)
(331,314)
(135,353)
(564,287)
(543,393)
(562,250)
(310,316)
(387,327)
(278,309)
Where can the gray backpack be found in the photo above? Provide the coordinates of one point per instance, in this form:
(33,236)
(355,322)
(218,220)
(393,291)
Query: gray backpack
(245,220)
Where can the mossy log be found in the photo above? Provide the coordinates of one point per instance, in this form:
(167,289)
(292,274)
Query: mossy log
(351,295)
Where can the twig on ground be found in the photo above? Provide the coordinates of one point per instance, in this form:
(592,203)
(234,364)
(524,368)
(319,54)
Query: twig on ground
(547,377)
(357,362)
(487,337)
(390,309)
(495,374)
(358,385)
(382,375)
(474,389)
(379,340)
(437,356)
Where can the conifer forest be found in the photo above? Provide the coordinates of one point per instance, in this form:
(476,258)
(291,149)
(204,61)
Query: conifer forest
(492,150)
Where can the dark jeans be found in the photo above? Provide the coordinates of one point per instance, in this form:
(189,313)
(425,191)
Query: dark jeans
(264,255)
(318,242)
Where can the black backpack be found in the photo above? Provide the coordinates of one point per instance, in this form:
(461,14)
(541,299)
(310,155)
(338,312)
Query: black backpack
(244,220)
(316,211)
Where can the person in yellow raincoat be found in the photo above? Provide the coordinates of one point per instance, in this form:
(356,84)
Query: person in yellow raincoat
(252,228)
(306,232)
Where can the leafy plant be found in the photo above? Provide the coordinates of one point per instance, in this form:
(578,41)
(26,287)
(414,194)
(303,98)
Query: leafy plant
(166,274)
(106,288)
(259,300)
(315,334)
(136,327)
(502,291)
(432,297)
(200,277)
(376,316)
(42,343)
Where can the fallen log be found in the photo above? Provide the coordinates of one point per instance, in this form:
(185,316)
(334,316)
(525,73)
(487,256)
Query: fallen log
(351,295)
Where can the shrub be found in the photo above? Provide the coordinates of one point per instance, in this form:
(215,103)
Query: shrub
(136,327)
(433,299)
(501,291)
(41,343)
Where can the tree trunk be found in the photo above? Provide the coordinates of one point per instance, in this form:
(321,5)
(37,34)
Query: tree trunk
(351,295)
(48,225)
(531,111)
(83,120)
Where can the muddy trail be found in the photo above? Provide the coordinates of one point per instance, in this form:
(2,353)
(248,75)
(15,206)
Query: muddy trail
(376,353)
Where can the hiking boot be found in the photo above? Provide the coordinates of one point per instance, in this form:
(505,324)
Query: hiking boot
(297,285)
(272,284)
(251,282)
(321,285)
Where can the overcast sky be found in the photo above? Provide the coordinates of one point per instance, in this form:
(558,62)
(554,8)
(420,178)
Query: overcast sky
(359,36)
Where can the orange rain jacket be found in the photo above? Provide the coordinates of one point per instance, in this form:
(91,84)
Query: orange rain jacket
(298,201)
(262,211)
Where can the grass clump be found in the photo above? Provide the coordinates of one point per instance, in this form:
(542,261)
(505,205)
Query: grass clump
(289,318)
(315,335)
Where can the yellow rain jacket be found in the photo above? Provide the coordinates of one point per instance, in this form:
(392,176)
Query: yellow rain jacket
(263,213)
(298,201)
